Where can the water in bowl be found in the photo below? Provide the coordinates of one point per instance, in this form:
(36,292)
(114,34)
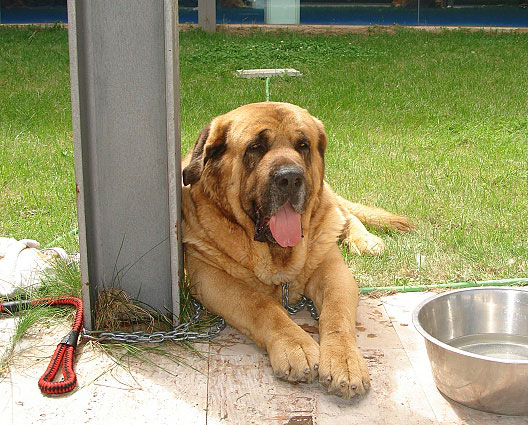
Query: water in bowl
(497,345)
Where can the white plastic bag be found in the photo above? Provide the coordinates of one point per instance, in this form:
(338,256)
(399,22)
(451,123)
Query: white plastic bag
(22,263)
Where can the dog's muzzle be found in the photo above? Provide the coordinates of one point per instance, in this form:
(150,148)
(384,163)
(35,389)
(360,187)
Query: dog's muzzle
(287,184)
(287,196)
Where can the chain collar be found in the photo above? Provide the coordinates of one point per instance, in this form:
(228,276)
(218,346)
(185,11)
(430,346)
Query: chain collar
(299,305)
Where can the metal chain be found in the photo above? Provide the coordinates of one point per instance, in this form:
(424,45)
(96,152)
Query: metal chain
(299,305)
(178,334)
(181,332)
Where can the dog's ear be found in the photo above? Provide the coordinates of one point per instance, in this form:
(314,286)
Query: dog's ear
(193,171)
(210,144)
(323,139)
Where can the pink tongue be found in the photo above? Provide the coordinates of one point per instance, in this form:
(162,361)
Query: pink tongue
(285,226)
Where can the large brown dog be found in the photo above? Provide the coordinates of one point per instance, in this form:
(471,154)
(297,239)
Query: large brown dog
(256,213)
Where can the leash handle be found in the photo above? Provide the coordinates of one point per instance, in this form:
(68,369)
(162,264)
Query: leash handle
(14,306)
(63,354)
(65,350)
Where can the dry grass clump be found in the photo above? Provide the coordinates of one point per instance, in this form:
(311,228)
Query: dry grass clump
(116,310)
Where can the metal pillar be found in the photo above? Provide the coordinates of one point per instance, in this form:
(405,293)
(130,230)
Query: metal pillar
(125,106)
(207,15)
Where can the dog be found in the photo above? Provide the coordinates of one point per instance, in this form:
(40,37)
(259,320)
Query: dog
(257,213)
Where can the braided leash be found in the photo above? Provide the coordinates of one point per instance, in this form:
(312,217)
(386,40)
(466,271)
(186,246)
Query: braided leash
(65,349)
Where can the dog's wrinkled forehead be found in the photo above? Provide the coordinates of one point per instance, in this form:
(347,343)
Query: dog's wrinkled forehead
(277,121)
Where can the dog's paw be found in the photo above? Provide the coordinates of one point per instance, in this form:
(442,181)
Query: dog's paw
(366,243)
(342,369)
(295,357)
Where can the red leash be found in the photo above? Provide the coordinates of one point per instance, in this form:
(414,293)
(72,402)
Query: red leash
(65,350)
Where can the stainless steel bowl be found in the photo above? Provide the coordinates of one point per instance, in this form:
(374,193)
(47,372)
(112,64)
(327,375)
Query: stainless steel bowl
(477,342)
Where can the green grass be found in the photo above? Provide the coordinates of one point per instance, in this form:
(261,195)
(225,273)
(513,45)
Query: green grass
(61,280)
(64,280)
(36,147)
(430,125)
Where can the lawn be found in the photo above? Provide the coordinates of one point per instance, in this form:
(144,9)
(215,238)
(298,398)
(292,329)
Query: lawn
(430,125)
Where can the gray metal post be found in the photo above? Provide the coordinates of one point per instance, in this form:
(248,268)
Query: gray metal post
(125,106)
(207,15)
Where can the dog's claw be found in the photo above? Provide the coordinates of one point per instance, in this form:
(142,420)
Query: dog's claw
(293,358)
(343,371)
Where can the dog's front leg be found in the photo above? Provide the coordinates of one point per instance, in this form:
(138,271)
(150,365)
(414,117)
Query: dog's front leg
(293,353)
(333,289)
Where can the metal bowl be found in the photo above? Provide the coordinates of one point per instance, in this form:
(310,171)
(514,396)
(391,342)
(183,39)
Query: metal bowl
(477,342)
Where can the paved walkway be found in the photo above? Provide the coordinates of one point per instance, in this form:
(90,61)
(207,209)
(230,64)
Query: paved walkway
(232,382)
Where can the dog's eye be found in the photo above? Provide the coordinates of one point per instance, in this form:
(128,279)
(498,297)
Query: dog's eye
(303,146)
(257,148)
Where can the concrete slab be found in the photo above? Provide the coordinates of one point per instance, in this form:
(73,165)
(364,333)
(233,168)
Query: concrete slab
(131,392)
(267,72)
(232,382)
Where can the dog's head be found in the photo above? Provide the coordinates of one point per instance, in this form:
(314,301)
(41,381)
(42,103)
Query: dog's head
(264,161)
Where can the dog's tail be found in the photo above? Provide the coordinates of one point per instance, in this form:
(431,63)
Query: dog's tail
(373,216)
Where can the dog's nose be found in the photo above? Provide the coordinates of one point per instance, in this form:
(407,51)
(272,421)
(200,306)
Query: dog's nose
(289,178)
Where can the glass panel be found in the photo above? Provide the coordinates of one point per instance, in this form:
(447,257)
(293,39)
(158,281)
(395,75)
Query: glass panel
(188,11)
(240,12)
(509,13)
(359,12)
(332,12)
(33,11)
(479,13)
(282,12)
